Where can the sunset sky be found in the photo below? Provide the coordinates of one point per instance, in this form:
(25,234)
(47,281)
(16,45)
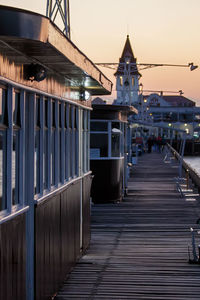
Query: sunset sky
(161,31)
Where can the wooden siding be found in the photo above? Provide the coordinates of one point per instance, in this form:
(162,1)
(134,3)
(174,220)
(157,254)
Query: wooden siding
(13,259)
(57,236)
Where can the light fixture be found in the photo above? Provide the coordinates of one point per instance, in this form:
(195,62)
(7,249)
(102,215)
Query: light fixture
(192,67)
(34,72)
(169,124)
(83,94)
(185,124)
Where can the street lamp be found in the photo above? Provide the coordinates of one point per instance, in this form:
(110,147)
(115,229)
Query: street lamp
(143,66)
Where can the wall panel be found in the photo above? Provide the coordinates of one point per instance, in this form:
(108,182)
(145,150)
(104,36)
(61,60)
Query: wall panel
(13,259)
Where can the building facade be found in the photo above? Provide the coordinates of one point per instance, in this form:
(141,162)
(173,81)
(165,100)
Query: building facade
(127,77)
(45,173)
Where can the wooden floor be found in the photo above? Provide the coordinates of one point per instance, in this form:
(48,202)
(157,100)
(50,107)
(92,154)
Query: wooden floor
(139,248)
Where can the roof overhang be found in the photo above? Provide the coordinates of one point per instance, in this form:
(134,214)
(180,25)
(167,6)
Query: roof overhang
(31,37)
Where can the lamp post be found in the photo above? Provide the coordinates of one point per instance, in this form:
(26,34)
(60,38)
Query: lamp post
(143,66)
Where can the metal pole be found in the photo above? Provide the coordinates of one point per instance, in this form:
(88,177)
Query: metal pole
(182,149)
(193,245)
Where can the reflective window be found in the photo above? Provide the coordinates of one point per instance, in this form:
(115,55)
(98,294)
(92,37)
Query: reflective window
(16,148)
(115,145)
(98,126)
(98,145)
(3,203)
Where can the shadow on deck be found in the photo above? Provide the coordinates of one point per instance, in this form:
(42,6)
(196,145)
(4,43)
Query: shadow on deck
(139,247)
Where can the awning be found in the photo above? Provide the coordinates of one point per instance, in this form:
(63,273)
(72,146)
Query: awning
(30,37)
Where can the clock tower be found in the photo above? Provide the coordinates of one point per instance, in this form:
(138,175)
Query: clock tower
(127,77)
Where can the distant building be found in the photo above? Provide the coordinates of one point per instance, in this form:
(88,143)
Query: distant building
(170,111)
(127,77)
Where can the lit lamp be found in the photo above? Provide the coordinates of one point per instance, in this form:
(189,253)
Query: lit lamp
(141,88)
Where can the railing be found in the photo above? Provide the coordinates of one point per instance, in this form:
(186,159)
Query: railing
(190,172)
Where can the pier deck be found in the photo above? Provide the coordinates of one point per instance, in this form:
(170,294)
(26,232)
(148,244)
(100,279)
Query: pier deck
(139,247)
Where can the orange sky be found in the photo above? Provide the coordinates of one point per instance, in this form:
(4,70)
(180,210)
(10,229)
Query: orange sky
(161,31)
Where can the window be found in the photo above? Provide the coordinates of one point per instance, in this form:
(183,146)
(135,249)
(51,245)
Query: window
(53,143)
(99,145)
(46,141)
(3,131)
(71,141)
(67,142)
(99,126)
(38,132)
(85,138)
(76,141)
(115,139)
(12,143)
(106,139)
(61,142)
(48,129)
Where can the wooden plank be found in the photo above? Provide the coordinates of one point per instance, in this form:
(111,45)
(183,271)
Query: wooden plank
(139,248)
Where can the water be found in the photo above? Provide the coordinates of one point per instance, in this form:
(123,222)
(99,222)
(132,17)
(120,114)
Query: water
(194,162)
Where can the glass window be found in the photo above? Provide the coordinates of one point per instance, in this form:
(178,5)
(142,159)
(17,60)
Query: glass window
(99,145)
(16,149)
(84,146)
(115,144)
(53,143)
(3,140)
(15,168)
(37,147)
(186,117)
(76,142)
(45,159)
(53,157)
(115,125)
(16,110)
(98,126)
(157,117)
(3,107)
(3,203)
(46,150)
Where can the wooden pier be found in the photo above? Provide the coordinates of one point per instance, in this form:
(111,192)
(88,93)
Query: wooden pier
(139,248)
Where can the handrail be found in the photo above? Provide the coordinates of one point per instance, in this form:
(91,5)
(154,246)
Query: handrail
(192,173)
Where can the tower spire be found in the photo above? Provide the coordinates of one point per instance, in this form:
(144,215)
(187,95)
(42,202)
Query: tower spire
(127,77)
(127,54)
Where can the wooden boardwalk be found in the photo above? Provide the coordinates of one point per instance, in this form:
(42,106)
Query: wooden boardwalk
(139,248)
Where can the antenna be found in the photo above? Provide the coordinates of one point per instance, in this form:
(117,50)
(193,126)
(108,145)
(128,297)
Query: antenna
(59,8)
(127,29)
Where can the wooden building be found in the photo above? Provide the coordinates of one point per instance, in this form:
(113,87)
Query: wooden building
(45,175)
(109,151)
